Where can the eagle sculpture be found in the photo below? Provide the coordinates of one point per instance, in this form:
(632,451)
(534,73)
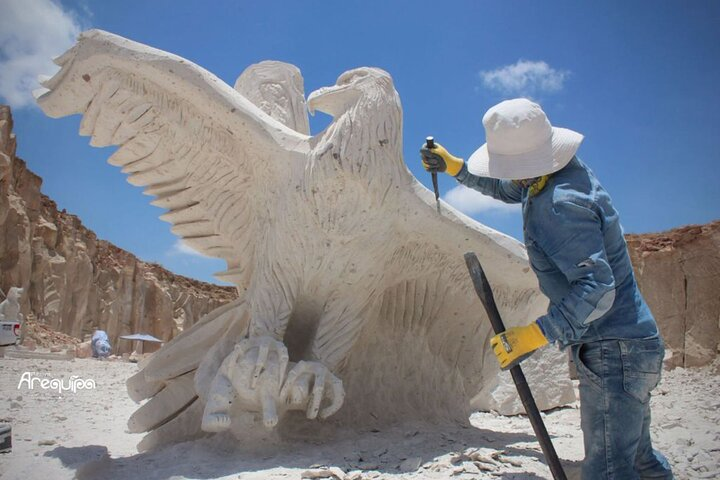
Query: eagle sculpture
(354,299)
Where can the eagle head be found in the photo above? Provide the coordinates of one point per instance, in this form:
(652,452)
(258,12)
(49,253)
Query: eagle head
(365,136)
(360,85)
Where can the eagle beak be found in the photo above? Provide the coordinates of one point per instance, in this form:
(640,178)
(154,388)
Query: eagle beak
(333,100)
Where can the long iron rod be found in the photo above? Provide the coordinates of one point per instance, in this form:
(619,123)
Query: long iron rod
(482,287)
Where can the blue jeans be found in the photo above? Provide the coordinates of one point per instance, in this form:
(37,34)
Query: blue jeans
(616,378)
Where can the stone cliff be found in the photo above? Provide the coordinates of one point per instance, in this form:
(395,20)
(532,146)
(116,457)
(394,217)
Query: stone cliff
(74,282)
(679,274)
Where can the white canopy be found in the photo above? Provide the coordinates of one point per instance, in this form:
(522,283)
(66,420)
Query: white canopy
(141,336)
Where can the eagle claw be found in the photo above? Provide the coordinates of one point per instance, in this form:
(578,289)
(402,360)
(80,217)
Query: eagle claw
(296,389)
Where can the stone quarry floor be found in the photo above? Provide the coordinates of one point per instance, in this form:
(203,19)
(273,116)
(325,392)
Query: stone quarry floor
(82,435)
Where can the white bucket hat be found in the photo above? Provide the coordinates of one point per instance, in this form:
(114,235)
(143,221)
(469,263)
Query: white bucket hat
(521,143)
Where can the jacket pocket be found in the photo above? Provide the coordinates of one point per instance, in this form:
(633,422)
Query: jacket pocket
(642,366)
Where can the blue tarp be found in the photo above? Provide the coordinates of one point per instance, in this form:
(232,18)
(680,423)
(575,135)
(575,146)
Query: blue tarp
(100,344)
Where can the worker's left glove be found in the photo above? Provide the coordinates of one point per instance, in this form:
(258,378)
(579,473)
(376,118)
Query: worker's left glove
(437,159)
(516,344)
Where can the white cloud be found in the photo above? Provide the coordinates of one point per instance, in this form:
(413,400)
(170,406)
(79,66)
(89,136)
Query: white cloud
(472,202)
(524,78)
(181,248)
(32,33)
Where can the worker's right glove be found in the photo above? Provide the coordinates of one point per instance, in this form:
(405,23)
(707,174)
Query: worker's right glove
(516,344)
(437,159)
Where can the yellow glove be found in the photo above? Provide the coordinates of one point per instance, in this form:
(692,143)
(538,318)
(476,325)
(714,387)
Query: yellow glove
(437,159)
(516,344)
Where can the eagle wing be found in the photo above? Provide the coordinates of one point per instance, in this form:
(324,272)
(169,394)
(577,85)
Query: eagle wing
(208,155)
(205,152)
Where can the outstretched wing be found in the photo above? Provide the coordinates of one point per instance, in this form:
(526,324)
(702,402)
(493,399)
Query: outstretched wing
(208,154)
(432,333)
(211,157)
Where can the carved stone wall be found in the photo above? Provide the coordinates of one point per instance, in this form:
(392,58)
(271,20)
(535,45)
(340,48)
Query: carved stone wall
(679,275)
(76,283)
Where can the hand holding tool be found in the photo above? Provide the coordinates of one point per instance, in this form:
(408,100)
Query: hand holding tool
(516,344)
(435,158)
(482,288)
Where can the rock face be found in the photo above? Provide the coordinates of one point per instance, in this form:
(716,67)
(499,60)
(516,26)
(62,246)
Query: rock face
(74,282)
(679,275)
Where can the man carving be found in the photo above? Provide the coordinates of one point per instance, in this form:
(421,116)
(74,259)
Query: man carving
(577,250)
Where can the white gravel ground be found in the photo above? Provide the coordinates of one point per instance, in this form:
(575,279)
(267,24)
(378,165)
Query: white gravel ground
(82,435)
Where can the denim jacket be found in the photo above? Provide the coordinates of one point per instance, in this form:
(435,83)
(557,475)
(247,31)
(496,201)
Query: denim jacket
(576,247)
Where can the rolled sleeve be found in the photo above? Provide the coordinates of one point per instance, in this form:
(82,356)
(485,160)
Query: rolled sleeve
(503,190)
(578,251)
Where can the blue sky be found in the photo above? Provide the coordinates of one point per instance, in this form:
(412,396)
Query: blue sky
(638,78)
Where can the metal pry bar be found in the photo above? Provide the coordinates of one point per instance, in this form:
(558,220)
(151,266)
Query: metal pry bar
(483,290)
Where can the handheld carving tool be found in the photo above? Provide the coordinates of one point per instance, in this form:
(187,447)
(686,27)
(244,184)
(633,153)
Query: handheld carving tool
(430,143)
(483,290)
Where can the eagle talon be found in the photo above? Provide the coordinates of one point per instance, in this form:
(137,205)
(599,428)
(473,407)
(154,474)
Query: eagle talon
(215,422)
(325,385)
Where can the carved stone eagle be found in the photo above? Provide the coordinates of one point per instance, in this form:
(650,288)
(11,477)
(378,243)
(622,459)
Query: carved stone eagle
(354,296)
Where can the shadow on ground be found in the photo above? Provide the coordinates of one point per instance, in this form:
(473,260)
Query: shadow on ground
(379,450)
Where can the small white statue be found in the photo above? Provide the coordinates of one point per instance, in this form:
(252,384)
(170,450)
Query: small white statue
(10,307)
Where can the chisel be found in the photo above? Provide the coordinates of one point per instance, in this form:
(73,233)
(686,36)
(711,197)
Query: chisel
(430,144)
